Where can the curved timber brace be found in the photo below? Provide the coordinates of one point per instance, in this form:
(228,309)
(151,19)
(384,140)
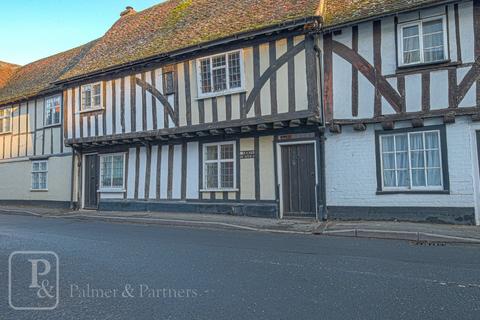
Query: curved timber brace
(157,94)
(274,67)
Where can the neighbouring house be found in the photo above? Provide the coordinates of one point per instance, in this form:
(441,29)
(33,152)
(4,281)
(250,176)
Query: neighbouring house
(35,164)
(334,109)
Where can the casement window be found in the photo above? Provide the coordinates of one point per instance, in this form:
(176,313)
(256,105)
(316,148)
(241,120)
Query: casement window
(5,120)
(412,161)
(39,175)
(112,171)
(91,95)
(423,41)
(53,109)
(219,166)
(220,74)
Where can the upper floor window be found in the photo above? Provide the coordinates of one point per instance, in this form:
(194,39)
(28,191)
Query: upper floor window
(423,41)
(411,161)
(219,74)
(52,110)
(5,120)
(91,96)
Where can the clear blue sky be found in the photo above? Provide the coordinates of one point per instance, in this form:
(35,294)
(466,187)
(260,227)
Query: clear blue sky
(33,29)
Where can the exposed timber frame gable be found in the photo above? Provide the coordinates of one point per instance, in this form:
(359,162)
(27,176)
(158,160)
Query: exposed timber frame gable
(381,91)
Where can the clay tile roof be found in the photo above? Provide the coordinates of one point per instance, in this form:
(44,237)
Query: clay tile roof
(337,12)
(37,77)
(179,24)
(6,71)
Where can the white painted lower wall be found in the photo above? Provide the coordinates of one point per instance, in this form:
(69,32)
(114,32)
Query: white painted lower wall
(15,180)
(351,169)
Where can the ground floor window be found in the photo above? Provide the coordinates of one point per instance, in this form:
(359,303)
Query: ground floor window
(411,160)
(112,171)
(219,166)
(39,175)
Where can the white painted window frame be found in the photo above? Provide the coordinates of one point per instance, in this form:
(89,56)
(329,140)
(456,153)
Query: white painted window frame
(91,107)
(411,187)
(110,188)
(420,23)
(201,94)
(39,172)
(219,161)
(45,124)
(8,117)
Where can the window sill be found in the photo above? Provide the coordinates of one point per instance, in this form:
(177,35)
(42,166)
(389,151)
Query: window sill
(425,66)
(380,192)
(220,190)
(38,190)
(5,133)
(97,109)
(52,125)
(112,190)
(220,94)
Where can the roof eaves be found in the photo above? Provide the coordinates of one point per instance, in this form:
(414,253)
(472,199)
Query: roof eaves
(334,26)
(286,25)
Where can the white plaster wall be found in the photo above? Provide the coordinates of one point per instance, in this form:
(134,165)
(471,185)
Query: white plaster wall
(16,180)
(351,170)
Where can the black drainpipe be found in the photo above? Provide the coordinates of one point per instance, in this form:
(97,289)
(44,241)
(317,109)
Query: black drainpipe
(322,129)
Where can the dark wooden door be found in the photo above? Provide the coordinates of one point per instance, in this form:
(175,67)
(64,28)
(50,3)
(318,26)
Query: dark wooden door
(298,180)
(91,182)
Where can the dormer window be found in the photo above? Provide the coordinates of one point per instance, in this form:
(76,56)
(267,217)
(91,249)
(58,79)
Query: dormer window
(220,74)
(423,41)
(91,95)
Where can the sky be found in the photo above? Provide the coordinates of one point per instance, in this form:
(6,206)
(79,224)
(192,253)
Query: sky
(34,29)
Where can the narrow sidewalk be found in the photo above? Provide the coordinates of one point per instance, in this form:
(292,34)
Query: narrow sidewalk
(419,232)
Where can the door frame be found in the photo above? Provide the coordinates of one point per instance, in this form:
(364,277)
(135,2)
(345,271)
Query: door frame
(84,156)
(280,176)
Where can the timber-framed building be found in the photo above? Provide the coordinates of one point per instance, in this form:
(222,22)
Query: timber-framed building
(292,108)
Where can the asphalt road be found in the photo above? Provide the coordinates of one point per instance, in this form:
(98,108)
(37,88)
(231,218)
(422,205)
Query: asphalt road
(186,273)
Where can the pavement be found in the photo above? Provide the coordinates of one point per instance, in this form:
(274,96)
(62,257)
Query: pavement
(395,230)
(150,271)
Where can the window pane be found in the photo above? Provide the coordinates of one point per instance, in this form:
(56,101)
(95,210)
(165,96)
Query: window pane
(1,125)
(43,180)
(43,166)
(401,143)
(411,57)
(212,175)
(234,70)
(35,166)
(117,171)
(402,160)
(410,31)
(389,161)
(226,151)
(418,177)
(411,44)
(434,177)
(433,26)
(433,159)
(387,143)
(226,177)
(417,159)
(403,178)
(434,54)
(389,178)
(96,101)
(212,153)
(86,97)
(35,181)
(206,81)
(96,89)
(416,141)
(431,140)
(106,169)
(219,61)
(219,79)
